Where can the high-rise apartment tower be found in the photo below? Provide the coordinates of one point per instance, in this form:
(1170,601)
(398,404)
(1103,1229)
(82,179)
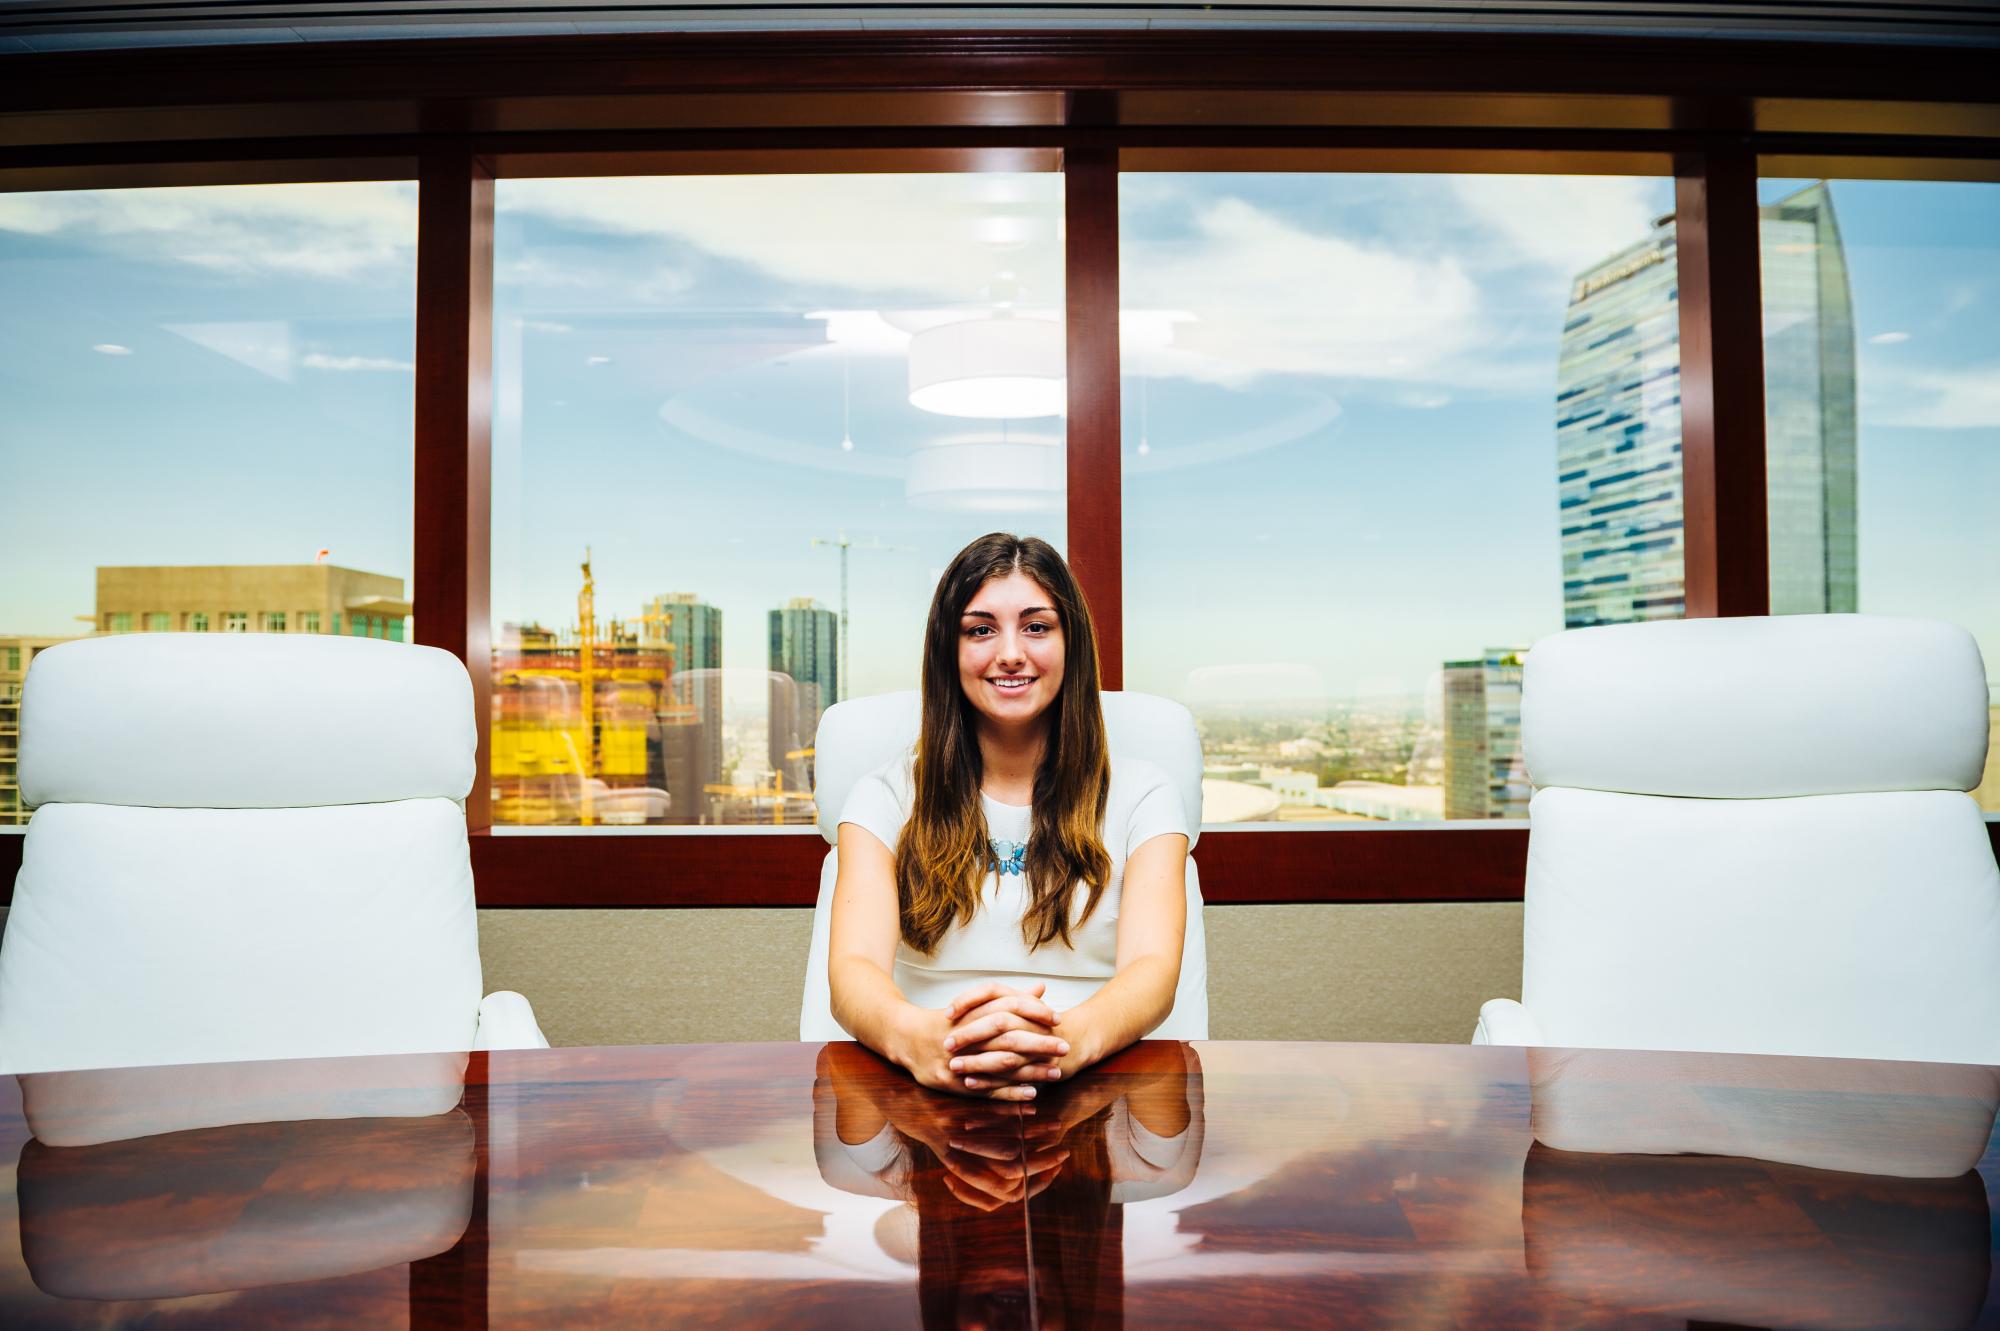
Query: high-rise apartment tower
(1618,424)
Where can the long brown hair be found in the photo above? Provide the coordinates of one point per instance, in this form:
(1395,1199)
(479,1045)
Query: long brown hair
(942,855)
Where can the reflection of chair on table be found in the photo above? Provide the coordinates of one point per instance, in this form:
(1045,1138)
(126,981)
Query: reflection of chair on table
(1852,1204)
(1746,1242)
(374,1168)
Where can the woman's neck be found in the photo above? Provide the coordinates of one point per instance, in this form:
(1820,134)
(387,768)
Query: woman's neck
(1009,757)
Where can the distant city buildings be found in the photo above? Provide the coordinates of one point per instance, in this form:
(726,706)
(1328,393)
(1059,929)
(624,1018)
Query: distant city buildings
(1618,424)
(251,598)
(1483,775)
(691,629)
(17,651)
(805,641)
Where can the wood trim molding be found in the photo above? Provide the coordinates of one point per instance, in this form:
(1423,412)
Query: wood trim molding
(1247,867)
(1263,865)
(1722,384)
(1096,520)
(454,431)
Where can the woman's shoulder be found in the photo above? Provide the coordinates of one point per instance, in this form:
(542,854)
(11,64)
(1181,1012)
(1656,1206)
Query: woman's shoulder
(880,800)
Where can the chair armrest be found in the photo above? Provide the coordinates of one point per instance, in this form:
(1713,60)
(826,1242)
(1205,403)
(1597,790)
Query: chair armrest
(1503,1021)
(507,1022)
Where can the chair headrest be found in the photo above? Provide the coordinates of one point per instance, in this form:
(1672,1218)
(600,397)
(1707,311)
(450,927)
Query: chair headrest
(1750,708)
(244,721)
(862,734)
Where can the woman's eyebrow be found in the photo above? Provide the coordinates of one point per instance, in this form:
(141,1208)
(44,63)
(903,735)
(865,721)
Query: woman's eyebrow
(988,614)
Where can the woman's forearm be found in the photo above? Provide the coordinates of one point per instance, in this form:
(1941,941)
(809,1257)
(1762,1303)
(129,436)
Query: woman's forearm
(1126,1009)
(869,1006)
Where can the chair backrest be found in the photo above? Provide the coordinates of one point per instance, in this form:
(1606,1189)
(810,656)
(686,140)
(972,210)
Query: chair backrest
(1751,835)
(862,734)
(245,847)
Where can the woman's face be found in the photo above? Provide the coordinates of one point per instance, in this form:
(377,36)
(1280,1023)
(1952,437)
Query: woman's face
(1010,650)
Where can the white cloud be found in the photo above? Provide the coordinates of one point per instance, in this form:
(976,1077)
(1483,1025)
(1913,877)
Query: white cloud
(112,349)
(319,360)
(1967,399)
(883,233)
(338,230)
(1888,339)
(1562,222)
(1273,297)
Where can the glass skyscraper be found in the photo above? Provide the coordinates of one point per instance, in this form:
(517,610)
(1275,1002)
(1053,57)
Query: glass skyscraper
(1809,406)
(805,679)
(691,735)
(1618,424)
(1483,774)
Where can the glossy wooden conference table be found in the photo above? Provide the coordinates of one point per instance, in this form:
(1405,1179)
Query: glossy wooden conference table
(1210,1185)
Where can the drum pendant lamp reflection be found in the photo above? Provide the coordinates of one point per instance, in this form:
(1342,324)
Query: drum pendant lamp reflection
(995,367)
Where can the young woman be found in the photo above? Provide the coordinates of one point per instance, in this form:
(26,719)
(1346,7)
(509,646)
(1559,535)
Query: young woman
(1011,899)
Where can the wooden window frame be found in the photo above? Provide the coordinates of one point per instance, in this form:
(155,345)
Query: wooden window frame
(456,115)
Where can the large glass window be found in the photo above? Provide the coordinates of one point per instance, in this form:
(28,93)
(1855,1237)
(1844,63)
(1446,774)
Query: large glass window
(1882,404)
(172,361)
(1380,434)
(741,424)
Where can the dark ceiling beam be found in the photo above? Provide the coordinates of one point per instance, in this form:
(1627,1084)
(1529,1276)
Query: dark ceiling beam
(441,73)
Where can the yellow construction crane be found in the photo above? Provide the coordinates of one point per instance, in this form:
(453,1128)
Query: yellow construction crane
(781,799)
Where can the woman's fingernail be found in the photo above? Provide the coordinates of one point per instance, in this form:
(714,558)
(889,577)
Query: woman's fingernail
(1062,1047)
(1054,1073)
(958,1065)
(1031,1092)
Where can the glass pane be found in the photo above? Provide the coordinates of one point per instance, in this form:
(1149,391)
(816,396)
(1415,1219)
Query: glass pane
(1381,433)
(208,413)
(741,424)
(1882,404)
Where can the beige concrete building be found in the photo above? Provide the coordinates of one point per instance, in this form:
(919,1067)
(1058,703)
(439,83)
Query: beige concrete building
(251,598)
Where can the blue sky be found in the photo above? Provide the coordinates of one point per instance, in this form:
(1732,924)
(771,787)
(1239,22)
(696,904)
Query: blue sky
(1346,385)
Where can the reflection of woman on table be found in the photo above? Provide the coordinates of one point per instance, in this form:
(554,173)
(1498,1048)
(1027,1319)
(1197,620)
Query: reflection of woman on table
(1072,1159)
(1011,901)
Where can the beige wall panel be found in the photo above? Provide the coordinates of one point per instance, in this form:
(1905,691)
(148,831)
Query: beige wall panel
(652,976)
(1414,973)
(1392,972)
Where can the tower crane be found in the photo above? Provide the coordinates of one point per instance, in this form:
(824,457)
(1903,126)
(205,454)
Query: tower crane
(840,542)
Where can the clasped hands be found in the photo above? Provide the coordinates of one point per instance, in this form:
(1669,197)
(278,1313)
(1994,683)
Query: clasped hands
(997,1042)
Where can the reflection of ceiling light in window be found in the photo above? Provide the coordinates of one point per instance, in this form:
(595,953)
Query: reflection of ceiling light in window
(988,473)
(995,368)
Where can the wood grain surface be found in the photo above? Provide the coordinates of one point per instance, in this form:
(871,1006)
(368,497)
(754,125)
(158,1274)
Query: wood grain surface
(1184,1185)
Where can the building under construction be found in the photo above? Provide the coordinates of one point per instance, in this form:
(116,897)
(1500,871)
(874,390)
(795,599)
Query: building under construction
(586,729)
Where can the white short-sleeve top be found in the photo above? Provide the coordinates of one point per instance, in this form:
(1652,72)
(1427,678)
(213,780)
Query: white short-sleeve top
(1141,805)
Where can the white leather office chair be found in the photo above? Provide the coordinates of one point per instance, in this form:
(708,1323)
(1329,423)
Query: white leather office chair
(246,847)
(862,734)
(1752,836)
